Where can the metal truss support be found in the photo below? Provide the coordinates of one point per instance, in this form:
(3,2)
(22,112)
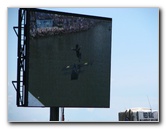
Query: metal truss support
(21,58)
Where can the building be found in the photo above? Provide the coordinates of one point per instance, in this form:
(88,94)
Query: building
(138,114)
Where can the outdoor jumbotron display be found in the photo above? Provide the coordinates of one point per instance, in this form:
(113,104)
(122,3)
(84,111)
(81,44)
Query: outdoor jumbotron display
(69,60)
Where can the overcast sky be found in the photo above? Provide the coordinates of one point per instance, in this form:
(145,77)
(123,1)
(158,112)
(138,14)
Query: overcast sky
(134,65)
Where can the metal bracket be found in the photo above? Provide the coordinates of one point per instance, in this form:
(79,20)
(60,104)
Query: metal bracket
(14,85)
(14,82)
(14,28)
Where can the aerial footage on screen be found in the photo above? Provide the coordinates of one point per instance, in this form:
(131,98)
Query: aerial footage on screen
(69,60)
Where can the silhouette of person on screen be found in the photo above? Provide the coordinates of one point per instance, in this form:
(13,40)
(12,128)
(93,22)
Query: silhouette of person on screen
(78,53)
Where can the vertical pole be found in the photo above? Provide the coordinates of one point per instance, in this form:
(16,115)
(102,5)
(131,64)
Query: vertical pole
(19,57)
(63,116)
(26,50)
(54,113)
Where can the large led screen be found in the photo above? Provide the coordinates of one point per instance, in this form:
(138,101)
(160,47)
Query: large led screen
(69,60)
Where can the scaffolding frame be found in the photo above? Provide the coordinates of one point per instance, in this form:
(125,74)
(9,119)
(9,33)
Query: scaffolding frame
(22,34)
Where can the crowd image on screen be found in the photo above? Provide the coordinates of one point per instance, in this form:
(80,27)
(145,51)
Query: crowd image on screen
(46,24)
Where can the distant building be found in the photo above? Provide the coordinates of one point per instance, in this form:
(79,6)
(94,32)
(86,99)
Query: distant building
(44,23)
(138,114)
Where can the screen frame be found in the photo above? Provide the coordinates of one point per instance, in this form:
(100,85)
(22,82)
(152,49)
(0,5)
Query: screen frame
(27,35)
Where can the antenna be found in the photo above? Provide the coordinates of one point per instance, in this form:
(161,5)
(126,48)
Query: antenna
(149,103)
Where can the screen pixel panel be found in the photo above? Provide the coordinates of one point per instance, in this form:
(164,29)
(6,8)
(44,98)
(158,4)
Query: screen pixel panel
(69,60)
